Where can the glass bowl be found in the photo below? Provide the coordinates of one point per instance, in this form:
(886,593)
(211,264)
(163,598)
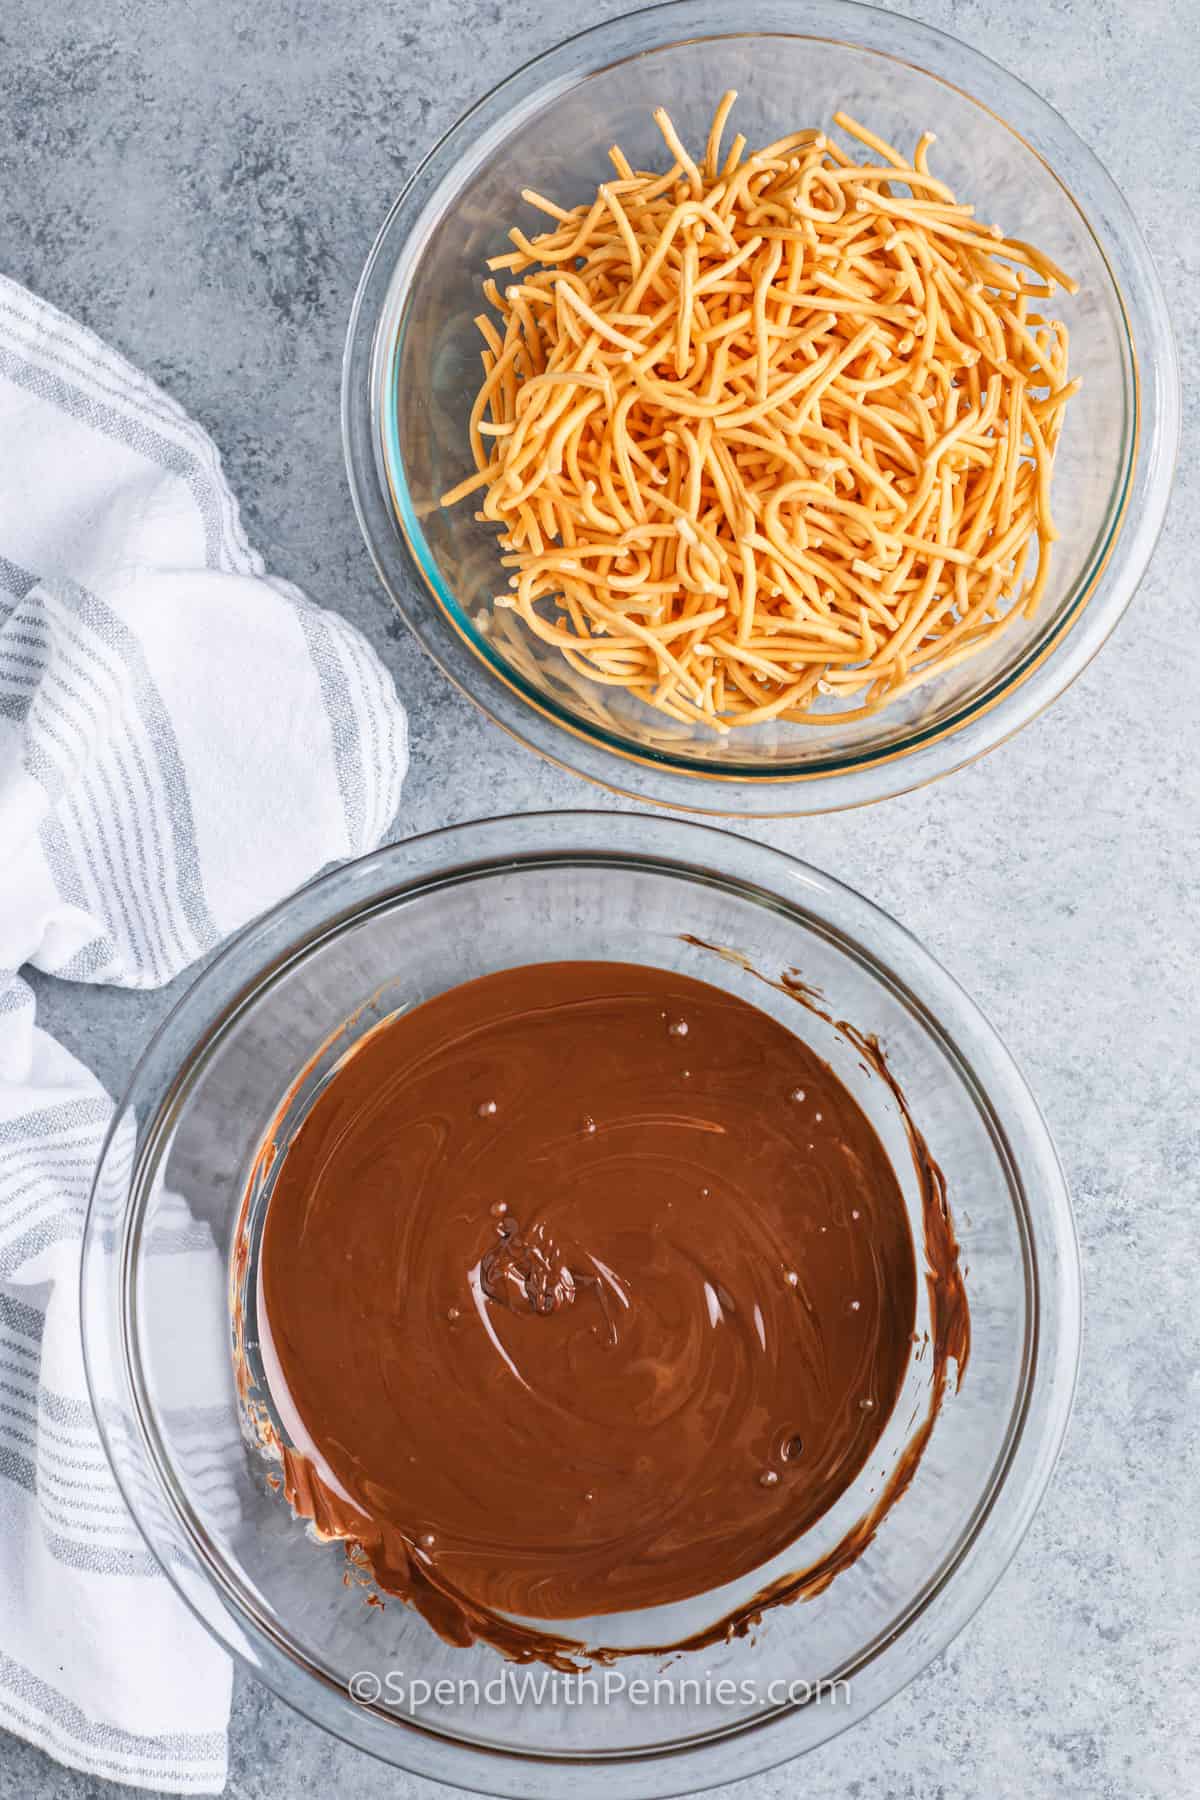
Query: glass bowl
(164,1246)
(411,371)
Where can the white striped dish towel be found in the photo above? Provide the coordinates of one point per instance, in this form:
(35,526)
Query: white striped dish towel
(182,742)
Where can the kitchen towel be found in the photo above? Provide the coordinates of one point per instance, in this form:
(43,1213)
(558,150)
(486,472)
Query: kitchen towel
(183,741)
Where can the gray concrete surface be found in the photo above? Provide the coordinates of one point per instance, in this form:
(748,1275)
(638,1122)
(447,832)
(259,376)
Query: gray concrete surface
(201,182)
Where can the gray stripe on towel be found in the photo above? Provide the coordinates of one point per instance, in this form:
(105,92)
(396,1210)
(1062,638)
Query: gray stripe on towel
(133,432)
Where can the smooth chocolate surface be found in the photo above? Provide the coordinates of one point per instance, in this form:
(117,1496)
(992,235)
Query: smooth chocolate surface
(584,1287)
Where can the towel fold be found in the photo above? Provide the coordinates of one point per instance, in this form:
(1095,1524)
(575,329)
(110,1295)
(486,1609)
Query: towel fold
(183,741)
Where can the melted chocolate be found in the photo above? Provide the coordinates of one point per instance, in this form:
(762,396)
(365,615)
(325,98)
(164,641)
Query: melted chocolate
(586,1287)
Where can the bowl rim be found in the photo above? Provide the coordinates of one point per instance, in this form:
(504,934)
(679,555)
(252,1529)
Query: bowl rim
(1102,590)
(1036,1426)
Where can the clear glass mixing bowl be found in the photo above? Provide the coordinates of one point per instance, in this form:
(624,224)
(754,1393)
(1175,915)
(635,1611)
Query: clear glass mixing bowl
(162,1252)
(412,369)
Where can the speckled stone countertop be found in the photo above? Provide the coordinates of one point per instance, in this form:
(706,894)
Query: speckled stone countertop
(201,183)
